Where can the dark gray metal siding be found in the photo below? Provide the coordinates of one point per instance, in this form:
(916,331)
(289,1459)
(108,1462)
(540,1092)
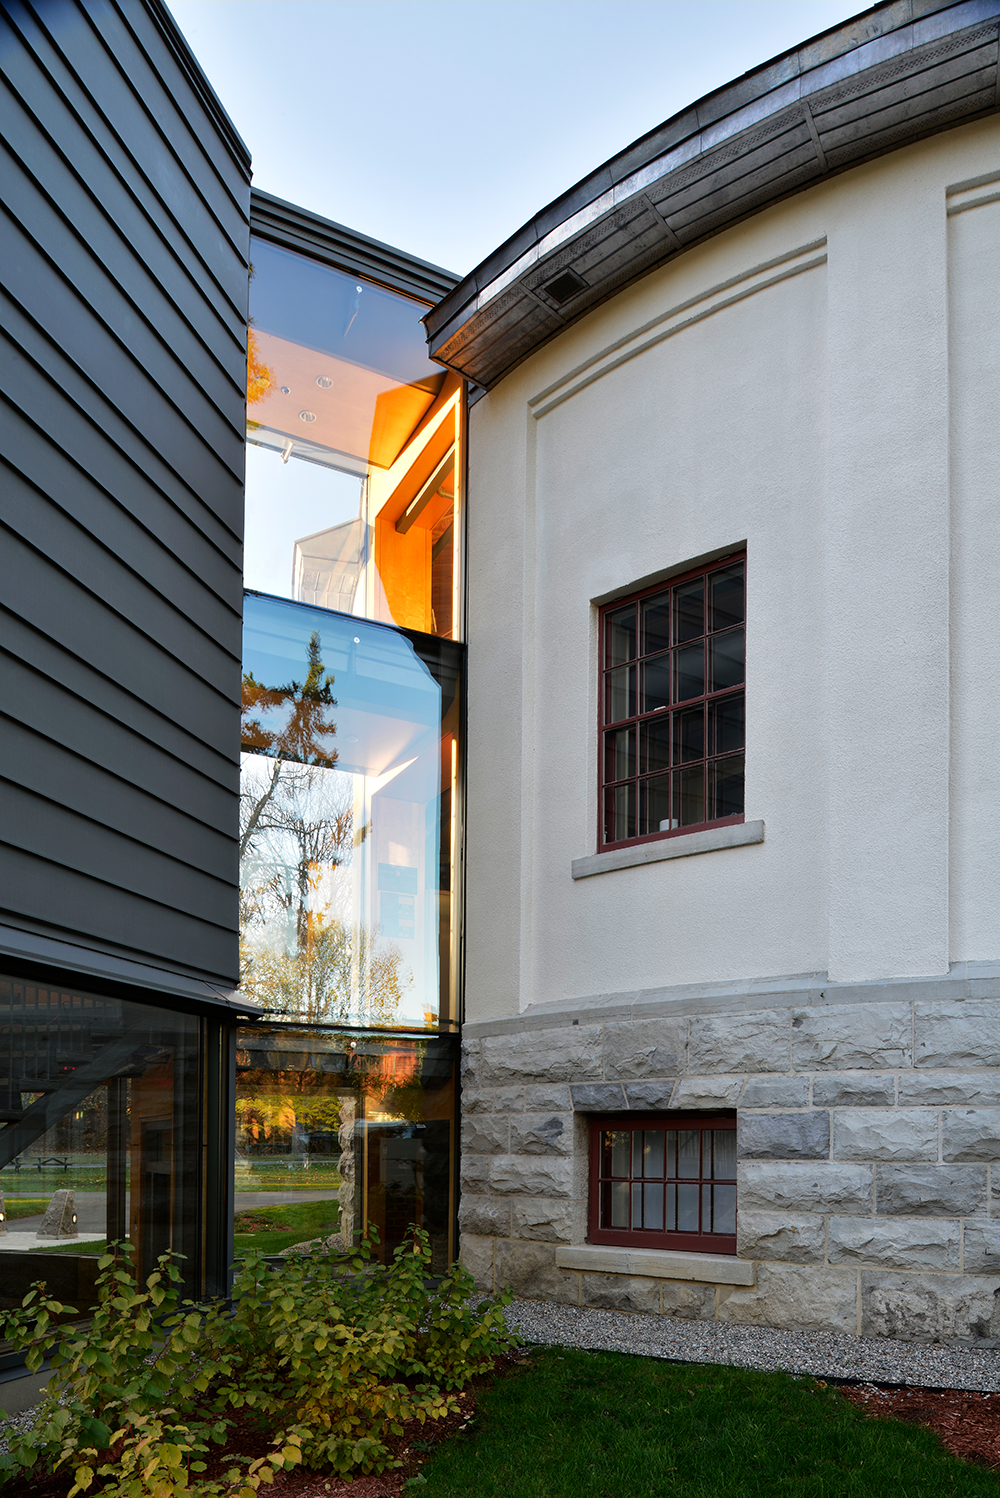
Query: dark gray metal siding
(124,237)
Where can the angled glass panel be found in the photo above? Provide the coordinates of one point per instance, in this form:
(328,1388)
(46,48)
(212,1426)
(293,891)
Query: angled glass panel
(620,636)
(689,611)
(655,684)
(655,623)
(728,654)
(726,590)
(348,805)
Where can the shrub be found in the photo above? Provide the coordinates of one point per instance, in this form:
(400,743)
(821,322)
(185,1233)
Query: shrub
(326,1353)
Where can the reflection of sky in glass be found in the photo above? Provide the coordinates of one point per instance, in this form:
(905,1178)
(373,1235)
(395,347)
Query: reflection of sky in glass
(286,502)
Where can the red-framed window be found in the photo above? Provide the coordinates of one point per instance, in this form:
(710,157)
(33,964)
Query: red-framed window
(672,706)
(664,1180)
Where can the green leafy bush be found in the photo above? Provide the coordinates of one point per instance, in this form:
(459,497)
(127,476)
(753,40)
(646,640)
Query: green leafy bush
(328,1354)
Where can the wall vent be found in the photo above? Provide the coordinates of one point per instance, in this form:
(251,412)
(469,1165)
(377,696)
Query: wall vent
(564,287)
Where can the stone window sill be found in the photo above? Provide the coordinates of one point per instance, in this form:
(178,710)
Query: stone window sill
(706,1269)
(737,835)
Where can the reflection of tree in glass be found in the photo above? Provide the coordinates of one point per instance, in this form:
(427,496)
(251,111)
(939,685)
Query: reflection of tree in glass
(296,829)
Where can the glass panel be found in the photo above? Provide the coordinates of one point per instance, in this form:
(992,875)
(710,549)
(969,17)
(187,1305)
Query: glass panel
(347,818)
(726,727)
(656,744)
(655,623)
(362,1124)
(655,684)
(620,694)
(619,1204)
(706,1209)
(689,611)
(652,1211)
(689,796)
(619,754)
(637,1206)
(687,1208)
(620,627)
(727,667)
(724,1216)
(621,1148)
(688,1152)
(637,1153)
(353,459)
(652,1153)
(689,735)
(690,662)
(724,1154)
(727,596)
(101,1136)
(671,1209)
(671,1169)
(619,813)
(726,786)
(656,806)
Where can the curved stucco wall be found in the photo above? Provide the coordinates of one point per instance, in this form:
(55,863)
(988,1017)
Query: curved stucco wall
(820,383)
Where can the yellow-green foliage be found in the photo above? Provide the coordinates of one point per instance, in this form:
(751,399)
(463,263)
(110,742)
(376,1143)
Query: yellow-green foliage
(327,1353)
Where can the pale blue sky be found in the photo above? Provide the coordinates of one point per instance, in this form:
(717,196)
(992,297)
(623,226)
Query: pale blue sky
(440,126)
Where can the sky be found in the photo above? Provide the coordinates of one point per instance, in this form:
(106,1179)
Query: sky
(441,126)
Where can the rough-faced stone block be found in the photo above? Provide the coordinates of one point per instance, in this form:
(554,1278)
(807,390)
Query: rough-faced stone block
(508,1100)
(486,1134)
(783,1136)
(775,1092)
(796,1187)
(620,1292)
(885,1134)
(897,1242)
(484,1216)
(967,1089)
(469,1063)
(548,1221)
(707,1092)
(649,1097)
(853,1091)
(930,1190)
(796,1237)
(529,1269)
(957,1034)
(644,1048)
(739,1042)
(541,1134)
(688,1302)
(477,1100)
(797,1297)
(474,1172)
(971,1134)
(981,1248)
(570,1053)
(547,1097)
(598,1097)
(929,1308)
(851,1037)
(476,1254)
(531,1175)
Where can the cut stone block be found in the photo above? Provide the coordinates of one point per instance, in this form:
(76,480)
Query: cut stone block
(476,1255)
(570,1053)
(971,1134)
(529,1269)
(795,1237)
(981,1247)
(536,1134)
(486,1134)
(885,1134)
(531,1175)
(547,1097)
(853,1091)
(739,1042)
(707,1092)
(60,1217)
(687,1302)
(547,1221)
(620,1292)
(851,1037)
(957,1034)
(967,1089)
(896,1242)
(775,1092)
(474,1172)
(644,1048)
(783,1136)
(930,1308)
(598,1097)
(650,1096)
(484,1216)
(797,1297)
(930,1190)
(826,1186)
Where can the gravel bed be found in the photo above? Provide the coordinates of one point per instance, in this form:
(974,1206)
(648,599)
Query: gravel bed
(823,1354)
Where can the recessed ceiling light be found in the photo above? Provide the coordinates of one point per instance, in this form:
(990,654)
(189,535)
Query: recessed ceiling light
(324,382)
(285,390)
(307,415)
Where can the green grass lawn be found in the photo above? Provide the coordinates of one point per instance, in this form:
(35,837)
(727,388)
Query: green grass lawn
(74,1246)
(25,1206)
(271,1229)
(278,1176)
(605,1425)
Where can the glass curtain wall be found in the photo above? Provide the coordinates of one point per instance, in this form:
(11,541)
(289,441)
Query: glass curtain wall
(115,1105)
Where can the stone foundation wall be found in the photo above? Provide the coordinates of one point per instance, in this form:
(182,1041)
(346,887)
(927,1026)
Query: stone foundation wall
(868,1134)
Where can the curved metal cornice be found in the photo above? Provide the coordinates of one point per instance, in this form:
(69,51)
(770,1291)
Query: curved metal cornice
(345,249)
(903,70)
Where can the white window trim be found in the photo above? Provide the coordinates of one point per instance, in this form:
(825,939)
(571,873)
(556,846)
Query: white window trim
(736,835)
(657,1263)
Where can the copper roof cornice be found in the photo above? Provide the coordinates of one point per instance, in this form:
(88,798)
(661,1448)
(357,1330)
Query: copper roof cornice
(903,70)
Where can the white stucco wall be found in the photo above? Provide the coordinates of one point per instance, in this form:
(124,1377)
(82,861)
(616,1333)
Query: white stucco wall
(827,394)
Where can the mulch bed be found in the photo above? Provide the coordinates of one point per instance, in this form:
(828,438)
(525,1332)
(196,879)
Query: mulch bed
(412,1448)
(967,1423)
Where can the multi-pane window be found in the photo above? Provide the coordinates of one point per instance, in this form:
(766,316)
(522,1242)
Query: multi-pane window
(672,706)
(664,1181)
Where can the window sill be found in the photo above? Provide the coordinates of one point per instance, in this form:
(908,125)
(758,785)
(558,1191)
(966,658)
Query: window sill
(658,1263)
(737,835)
